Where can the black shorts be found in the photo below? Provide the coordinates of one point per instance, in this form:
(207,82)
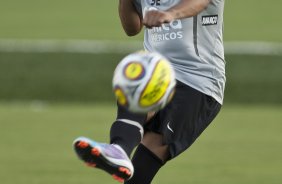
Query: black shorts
(182,120)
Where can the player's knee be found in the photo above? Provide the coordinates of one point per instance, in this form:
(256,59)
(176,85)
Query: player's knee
(154,142)
(150,115)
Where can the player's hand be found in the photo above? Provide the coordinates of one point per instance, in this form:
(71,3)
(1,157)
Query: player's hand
(155,18)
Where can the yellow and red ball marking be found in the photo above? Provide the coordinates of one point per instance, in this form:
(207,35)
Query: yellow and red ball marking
(121,97)
(134,71)
(157,85)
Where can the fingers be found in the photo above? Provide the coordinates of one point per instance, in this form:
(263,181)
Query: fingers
(156,18)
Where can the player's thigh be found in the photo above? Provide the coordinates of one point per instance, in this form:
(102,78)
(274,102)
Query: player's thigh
(184,119)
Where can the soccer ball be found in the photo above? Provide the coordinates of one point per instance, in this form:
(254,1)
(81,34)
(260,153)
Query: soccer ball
(144,82)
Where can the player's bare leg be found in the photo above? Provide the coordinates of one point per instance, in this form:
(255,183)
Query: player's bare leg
(153,153)
(154,142)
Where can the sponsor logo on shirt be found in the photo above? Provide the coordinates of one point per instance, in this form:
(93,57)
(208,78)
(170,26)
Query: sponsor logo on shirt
(166,32)
(209,20)
(170,31)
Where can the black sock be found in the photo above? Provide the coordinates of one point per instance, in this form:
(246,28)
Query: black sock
(146,165)
(126,134)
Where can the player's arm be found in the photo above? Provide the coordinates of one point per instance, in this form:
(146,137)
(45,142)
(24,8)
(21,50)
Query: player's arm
(130,19)
(184,9)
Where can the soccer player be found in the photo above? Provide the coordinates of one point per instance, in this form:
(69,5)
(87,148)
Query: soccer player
(189,34)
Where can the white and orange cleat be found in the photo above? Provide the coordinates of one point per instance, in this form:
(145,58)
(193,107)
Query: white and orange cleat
(108,157)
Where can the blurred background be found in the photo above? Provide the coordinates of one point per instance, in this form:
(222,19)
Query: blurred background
(56,65)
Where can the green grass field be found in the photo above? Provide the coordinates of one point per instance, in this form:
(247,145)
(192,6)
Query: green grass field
(72,77)
(96,19)
(243,145)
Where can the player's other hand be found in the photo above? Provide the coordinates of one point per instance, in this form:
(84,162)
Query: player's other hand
(155,18)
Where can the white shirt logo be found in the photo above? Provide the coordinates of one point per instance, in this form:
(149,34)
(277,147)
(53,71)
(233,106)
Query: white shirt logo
(209,20)
(166,32)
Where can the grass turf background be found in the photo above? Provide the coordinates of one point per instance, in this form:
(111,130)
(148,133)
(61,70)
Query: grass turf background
(97,19)
(243,145)
(65,77)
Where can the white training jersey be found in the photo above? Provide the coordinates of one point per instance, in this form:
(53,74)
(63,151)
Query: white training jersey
(193,45)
